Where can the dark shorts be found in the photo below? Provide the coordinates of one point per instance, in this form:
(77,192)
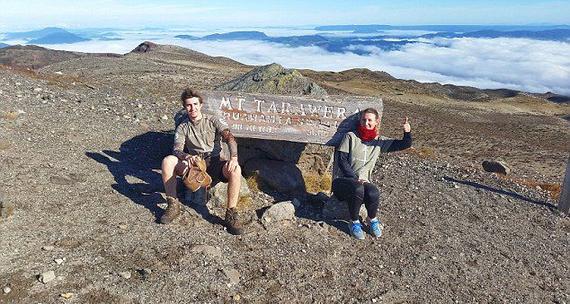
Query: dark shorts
(216,169)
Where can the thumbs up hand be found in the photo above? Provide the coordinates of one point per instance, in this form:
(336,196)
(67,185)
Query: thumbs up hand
(406,125)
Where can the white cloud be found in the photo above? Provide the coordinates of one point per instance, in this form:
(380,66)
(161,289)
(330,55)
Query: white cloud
(520,64)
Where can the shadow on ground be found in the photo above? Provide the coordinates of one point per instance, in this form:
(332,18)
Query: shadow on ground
(136,169)
(136,166)
(550,207)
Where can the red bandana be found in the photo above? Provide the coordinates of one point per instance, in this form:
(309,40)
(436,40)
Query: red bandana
(365,134)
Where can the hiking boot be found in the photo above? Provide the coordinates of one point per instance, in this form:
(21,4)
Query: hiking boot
(356,230)
(172,211)
(232,223)
(375,227)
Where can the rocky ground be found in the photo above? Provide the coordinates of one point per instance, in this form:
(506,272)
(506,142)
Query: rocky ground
(80,147)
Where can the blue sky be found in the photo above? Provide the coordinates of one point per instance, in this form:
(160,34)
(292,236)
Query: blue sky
(16,15)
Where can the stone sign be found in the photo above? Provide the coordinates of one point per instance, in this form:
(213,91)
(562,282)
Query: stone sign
(296,119)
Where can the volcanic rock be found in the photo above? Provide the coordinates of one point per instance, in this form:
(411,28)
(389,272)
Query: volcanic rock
(274,79)
(282,211)
(496,167)
(218,194)
(47,276)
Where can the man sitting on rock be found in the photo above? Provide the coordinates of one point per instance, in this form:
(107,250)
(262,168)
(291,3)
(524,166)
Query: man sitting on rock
(200,135)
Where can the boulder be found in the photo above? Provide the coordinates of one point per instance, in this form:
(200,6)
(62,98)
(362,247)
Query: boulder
(218,194)
(47,276)
(278,175)
(274,79)
(282,211)
(315,158)
(496,167)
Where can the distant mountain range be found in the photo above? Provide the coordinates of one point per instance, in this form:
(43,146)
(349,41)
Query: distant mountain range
(331,44)
(3,45)
(359,45)
(373,28)
(556,34)
(49,35)
(238,35)
(57,38)
(32,34)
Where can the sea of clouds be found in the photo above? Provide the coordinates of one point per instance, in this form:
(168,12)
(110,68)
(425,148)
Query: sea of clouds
(519,64)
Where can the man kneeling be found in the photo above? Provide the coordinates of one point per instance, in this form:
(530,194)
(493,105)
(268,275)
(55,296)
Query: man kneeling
(200,135)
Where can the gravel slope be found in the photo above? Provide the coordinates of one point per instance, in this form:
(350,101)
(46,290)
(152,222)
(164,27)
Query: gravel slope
(80,165)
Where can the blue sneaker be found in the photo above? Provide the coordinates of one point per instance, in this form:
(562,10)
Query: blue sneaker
(376,227)
(356,230)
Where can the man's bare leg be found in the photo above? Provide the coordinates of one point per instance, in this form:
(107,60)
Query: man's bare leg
(234,182)
(171,167)
(168,177)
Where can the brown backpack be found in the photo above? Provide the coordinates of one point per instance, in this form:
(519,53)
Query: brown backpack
(196,176)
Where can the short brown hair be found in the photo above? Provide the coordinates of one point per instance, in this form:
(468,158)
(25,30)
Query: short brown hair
(370,110)
(190,93)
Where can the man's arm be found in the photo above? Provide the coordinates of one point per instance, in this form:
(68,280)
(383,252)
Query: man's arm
(179,142)
(224,129)
(229,138)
